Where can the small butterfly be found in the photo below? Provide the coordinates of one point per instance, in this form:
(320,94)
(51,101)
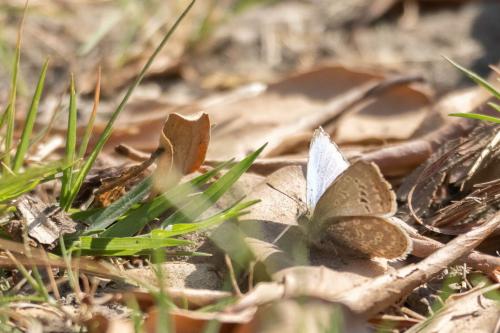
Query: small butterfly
(350,205)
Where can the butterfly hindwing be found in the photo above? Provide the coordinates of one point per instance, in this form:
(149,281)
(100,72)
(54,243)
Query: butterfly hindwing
(360,191)
(324,165)
(370,236)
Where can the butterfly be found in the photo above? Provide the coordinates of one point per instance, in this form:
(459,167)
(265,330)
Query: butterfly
(350,205)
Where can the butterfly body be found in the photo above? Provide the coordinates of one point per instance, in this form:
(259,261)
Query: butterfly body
(353,208)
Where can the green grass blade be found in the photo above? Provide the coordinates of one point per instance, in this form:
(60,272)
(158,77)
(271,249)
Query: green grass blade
(234,211)
(45,130)
(13,186)
(66,255)
(101,32)
(108,129)
(30,121)
(495,106)
(140,217)
(194,208)
(83,215)
(27,275)
(11,109)
(109,215)
(90,125)
(476,116)
(70,147)
(125,245)
(3,117)
(476,78)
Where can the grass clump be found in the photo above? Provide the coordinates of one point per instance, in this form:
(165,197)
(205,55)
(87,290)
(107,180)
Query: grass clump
(117,230)
(114,230)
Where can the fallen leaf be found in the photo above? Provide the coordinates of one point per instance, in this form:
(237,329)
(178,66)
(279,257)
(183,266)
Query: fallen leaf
(307,315)
(394,114)
(248,123)
(466,312)
(184,141)
(186,321)
(182,297)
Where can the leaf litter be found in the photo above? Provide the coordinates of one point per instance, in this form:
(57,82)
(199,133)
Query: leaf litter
(188,207)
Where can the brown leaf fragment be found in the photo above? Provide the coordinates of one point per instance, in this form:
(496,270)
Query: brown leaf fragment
(466,312)
(283,138)
(44,223)
(184,141)
(256,237)
(189,137)
(296,104)
(308,315)
(186,321)
(310,281)
(182,297)
(394,114)
(437,129)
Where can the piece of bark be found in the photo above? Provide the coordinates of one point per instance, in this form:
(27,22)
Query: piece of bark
(44,223)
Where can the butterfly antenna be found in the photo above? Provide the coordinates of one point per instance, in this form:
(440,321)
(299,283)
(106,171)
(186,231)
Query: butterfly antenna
(281,234)
(297,200)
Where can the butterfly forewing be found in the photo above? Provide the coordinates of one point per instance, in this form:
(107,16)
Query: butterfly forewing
(370,236)
(324,165)
(351,204)
(360,191)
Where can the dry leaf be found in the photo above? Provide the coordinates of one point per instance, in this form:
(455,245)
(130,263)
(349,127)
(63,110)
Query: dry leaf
(248,123)
(184,141)
(394,114)
(307,315)
(186,321)
(467,312)
(182,297)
